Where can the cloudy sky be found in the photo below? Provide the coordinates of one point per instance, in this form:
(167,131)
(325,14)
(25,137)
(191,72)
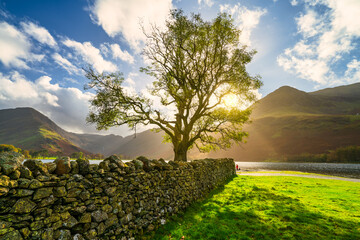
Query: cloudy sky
(307,44)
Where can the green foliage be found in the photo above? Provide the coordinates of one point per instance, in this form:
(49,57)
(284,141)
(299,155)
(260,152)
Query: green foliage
(26,154)
(196,64)
(354,118)
(77,155)
(46,133)
(43,153)
(345,154)
(9,148)
(271,208)
(349,154)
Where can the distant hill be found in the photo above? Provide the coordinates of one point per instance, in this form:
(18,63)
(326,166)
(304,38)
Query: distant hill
(147,143)
(29,129)
(286,122)
(291,122)
(347,92)
(95,143)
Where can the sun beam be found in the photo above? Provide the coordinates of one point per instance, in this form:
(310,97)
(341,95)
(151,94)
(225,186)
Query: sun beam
(231,100)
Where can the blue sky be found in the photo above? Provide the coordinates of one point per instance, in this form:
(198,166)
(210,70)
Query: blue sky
(307,44)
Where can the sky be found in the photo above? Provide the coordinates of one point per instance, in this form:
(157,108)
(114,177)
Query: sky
(44,45)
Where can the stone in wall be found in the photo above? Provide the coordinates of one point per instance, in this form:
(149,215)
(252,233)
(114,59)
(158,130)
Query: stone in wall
(111,200)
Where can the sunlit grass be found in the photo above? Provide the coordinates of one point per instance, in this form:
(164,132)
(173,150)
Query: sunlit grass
(272,207)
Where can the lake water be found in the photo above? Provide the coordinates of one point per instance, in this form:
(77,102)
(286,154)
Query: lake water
(341,169)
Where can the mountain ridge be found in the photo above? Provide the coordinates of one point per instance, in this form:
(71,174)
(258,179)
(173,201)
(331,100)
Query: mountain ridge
(286,122)
(29,129)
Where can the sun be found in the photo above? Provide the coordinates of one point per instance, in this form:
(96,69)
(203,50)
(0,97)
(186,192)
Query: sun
(231,100)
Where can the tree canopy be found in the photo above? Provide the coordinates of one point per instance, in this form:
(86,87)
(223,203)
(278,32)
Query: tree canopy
(197,66)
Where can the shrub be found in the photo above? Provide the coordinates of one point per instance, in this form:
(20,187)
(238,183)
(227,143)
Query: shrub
(8,148)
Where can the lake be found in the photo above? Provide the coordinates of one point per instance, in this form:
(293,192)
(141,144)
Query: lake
(339,169)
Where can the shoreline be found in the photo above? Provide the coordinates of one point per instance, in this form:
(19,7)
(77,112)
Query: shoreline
(346,173)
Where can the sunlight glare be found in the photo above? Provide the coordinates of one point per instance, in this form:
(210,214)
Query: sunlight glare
(231,100)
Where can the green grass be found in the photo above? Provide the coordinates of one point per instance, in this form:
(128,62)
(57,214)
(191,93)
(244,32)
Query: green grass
(50,134)
(271,207)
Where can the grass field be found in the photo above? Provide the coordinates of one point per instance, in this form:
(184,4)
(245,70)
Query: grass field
(271,207)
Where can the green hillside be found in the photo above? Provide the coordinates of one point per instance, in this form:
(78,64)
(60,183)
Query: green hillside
(290,122)
(28,129)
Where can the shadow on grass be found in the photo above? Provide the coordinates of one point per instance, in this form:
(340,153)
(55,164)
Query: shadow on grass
(239,210)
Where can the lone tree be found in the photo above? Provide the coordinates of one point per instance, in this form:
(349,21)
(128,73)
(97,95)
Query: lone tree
(199,67)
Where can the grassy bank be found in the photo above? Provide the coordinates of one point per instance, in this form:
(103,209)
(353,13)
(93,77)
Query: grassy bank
(273,207)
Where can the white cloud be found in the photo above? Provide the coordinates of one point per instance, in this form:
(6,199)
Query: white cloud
(91,55)
(44,83)
(39,33)
(66,64)
(306,68)
(346,15)
(246,19)
(208,3)
(130,81)
(122,55)
(302,49)
(68,107)
(16,88)
(294,2)
(15,47)
(124,17)
(352,73)
(332,44)
(327,40)
(70,80)
(310,24)
(130,77)
(51,99)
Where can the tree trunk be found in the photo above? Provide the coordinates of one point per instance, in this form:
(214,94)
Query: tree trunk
(180,153)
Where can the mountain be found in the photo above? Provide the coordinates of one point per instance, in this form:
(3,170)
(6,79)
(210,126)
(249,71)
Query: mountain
(104,144)
(284,123)
(29,129)
(291,122)
(347,92)
(147,143)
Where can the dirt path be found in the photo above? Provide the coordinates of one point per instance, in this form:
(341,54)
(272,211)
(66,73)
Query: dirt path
(298,175)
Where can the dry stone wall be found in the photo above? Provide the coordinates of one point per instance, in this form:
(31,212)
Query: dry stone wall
(112,200)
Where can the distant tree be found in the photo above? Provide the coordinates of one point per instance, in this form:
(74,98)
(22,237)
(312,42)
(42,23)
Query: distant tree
(345,154)
(197,65)
(26,154)
(40,153)
(58,154)
(9,148)
(77,155)
(99,156)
